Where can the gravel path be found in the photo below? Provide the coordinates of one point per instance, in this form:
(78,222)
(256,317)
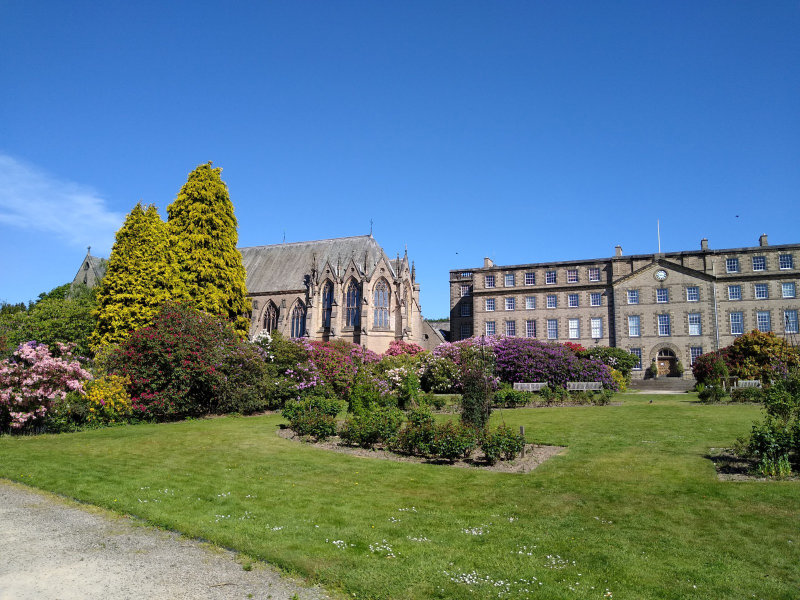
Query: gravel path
(51,548)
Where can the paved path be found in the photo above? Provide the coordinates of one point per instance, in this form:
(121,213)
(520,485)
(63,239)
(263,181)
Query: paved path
(51,549)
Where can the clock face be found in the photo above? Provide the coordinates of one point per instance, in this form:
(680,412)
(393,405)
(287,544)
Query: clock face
(661,274)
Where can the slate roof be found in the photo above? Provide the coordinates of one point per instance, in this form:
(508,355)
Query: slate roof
(282,267)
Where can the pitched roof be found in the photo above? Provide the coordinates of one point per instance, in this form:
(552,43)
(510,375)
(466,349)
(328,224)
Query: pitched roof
(282,267)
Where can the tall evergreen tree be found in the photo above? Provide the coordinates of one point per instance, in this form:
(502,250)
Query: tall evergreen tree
(203,236)
(138,278)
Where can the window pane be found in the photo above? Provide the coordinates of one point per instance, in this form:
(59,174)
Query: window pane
(692,294)
(572,275)
(552,329)
(552,301)
(695,327)
(466,310)
(734,292)
(737,323)
(511,328)
(662,295)
(572,300)
(732,265)
(510,280)
(638,353)
(597,328)
(489,327)
(763,320)
(489,281)
(595,299)
(762,291)
(550,277)
(633,296)
(634,326)
(790,321)
(788,289)
(530,278)
(489,304)
(694,353)
(594,274)
(664,325)
(759,263)
(574,328)
(530,329)
(530,302)
(786,261)
(510,303)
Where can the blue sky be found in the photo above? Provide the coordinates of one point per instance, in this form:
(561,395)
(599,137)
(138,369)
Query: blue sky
(524,131)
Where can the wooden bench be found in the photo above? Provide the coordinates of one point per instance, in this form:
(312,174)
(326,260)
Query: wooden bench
(529,387)
(747,383)
(584,386)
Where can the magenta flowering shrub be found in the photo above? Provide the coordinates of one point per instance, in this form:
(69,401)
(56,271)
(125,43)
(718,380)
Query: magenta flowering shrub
(33,379)
(521,359)
(189,363)
(400,347)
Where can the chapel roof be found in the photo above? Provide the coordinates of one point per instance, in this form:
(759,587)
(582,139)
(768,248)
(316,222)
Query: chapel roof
(283,267)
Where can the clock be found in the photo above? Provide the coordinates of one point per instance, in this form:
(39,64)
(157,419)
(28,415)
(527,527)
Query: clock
(661,274)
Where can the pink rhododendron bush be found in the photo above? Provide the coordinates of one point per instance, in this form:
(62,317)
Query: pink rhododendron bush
(32,380)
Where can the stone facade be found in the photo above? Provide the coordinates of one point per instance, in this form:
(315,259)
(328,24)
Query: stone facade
(666,307)
(342,288)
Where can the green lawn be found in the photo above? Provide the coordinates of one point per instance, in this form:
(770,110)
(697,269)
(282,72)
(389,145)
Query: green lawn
(632,507)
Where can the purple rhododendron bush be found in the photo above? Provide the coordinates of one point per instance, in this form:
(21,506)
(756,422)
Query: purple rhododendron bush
(521,359)
(32,380)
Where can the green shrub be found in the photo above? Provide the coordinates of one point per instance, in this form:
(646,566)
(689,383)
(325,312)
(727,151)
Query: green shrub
(363,396)
(433,400)
(502,443)
(368,429)
(476,399)
(314,423)
(321,404)
(452,440)
(68,414)
(745,394)
(711,392)
(417,435)
(508,397)
(547,394)
(408,391)
(770,439)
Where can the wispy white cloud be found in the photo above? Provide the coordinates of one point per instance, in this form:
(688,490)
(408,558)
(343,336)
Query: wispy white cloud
(35,200)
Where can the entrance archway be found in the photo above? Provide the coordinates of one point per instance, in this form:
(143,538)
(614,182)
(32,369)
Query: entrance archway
(666,362)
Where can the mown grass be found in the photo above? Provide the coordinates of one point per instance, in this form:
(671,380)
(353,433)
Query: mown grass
(632,508)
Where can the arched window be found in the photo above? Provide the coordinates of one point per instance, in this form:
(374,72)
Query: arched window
(299,321)
(405,302)
(352,304)
(381,307)
(327,304)
(271,317)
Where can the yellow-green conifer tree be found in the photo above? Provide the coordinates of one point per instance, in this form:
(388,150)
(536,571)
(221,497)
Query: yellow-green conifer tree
(138,277)
(203,236)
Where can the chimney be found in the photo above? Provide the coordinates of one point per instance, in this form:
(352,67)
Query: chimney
(617,250)
(762,240)
(704,244)
(487,262)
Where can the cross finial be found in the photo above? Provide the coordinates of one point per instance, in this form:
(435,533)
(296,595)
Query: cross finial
(88,249)
(370,228)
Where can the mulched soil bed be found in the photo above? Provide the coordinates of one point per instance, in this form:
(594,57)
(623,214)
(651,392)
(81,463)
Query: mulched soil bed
(535,455)
(735,468)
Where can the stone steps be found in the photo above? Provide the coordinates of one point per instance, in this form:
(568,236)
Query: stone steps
(663,384)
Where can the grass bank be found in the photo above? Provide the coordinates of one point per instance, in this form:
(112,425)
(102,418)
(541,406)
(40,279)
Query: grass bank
(632,509)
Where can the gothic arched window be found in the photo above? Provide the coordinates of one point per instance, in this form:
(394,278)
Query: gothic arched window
(352,305)
(327,304)
(299,321)
(271,317)
(381,307)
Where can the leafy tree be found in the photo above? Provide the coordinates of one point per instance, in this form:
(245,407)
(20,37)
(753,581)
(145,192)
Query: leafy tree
(55,317)
(138,278)
(760,355)
(616,358)
(203,237)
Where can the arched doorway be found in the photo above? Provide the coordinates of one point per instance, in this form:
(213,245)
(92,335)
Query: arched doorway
(666,362)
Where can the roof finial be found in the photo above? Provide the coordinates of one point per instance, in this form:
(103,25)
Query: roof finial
(370,228)
(88,249)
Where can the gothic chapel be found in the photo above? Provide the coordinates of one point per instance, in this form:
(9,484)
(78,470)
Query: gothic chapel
(342,288)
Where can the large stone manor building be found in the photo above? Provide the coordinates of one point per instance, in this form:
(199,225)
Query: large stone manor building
(666,307)
(343,288)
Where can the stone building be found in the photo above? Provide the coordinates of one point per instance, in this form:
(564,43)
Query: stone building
(91,270)
(343,288)
(666,307)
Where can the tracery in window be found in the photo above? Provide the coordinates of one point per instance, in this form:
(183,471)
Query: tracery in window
(271,317)
(352,305)
(381,307)
(299,320)
(327,304)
